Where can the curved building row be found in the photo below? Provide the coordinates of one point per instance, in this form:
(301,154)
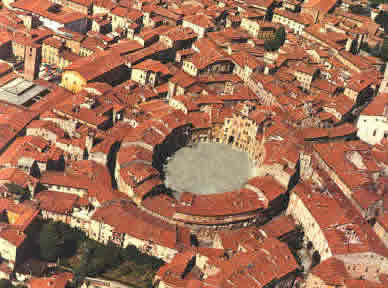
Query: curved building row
(144,152)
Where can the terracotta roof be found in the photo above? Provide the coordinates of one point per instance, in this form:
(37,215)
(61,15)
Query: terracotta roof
(48,126)
(208,56)
(279,226)
(57,202)
(164,12)
(108,4)
(152,65)
(356,283)
(83,2)
(299,18)
(97,64)
(180,33)
(5,37)
(377,106)
(53,42)
(319,205)
(335,158)
(144,188)
(56,281)
(339,228)
(127,218)
(16,176)
(268,185)
(383,221)
(126,46)
(365,198)
(272,261)
(183,79)
(322,5)
(127,13)
(244,59)
(41,7)
(228,203)
(200,20)
(100,184)
(331,271)
(65,180)
(13,236)
(160,204)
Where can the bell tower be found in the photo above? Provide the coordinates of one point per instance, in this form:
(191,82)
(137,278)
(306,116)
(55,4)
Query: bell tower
(32,60)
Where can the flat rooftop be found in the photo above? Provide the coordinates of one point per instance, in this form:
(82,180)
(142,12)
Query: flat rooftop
(20,91)
(208,168)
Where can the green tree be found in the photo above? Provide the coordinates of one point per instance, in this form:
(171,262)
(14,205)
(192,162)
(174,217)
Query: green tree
(4,283)
(51,242)
(272,45)
(18,190)
(275,44)
(375,3)
(71,237)
(130,252)
(281,35)
(358,9)
(384,50)
(382,19)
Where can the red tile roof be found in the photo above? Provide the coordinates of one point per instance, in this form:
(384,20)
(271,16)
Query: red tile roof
(229,203)
(269,186)
(377,106)
(152,65)
(56,281)
(365,198)
(383,221)
(57,202)
(40,7)
(331,271)
(279,226)
(17,176)
(97,64)
(127,218)
(200,20)
(15,237)
(356,283)
(146,187)
(272,261)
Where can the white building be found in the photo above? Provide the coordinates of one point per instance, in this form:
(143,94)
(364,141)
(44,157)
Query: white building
(372,129)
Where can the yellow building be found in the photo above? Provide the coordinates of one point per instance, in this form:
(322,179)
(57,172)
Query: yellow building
(73,81)
(51,49)
(104,66)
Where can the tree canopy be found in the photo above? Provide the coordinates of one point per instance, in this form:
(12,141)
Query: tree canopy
(384,50)
(361,10)
(382,19)
(5,283)
(50,243)
(375,3)
(58,239)
(275,44)
(17,190)
(98,258)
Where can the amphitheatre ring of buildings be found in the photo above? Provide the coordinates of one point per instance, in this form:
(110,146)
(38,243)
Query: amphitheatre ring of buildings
(140,173)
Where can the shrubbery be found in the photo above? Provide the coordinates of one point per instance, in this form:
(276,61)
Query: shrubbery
(58,239)
(275,44)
